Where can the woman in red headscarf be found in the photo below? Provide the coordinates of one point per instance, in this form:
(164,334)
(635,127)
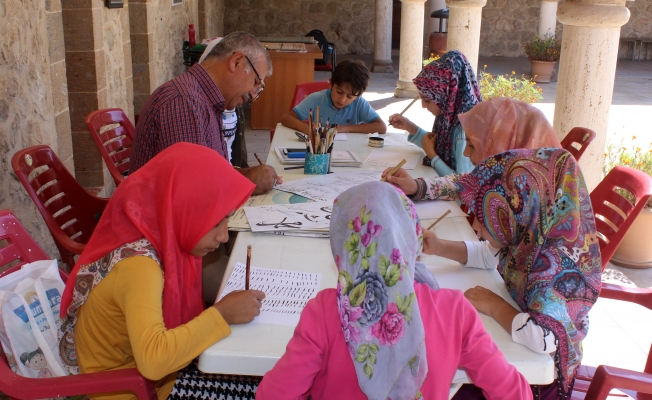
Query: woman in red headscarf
(134,298)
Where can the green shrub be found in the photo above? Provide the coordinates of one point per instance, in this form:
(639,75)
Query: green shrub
(511,86)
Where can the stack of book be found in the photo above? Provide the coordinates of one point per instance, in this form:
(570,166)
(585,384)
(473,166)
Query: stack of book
(297,156)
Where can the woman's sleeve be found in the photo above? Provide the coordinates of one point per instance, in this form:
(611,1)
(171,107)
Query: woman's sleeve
(442,188)
(527,332)
(159,351)
(481,255)
(293,375)
(463,164)
(417,137)
(485,363)
(440,167)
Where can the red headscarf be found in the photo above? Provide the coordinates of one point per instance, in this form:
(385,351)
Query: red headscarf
(172,201)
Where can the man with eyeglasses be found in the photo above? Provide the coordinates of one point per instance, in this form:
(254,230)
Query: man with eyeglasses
(189,108)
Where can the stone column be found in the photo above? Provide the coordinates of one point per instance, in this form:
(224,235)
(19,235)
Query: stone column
(411,54)
(548,18)
(383,37)
(587,69)
(464,21)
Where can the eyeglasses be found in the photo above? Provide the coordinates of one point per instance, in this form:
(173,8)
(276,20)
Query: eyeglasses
(262,84)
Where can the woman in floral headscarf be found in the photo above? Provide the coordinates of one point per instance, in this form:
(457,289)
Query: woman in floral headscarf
(533,208)
(447,87)
(380,334)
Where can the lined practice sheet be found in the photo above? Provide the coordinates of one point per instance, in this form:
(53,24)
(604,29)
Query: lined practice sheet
(286,292)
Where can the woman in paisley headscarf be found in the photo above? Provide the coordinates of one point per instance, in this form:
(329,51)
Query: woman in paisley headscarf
(134,298)
(381,334)
(447,87)
(492,126)
(534,210)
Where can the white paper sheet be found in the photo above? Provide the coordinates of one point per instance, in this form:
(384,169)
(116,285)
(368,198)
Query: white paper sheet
(286,292)
(388,159)
(397,140)
(328,187)
(429,209)
(290,217)
(341,137)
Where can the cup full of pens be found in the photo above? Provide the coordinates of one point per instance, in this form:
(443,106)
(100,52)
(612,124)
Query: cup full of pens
(319,145)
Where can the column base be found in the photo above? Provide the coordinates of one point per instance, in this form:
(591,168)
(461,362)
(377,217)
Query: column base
(406,93)
(382,66)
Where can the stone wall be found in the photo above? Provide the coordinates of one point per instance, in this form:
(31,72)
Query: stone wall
(158,30)
(33,100)
(211,21)
(349,24)
(639,26)
(506,24)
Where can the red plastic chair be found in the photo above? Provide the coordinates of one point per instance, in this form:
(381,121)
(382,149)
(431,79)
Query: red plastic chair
(20,246)
(16,245)
(70,213)
(302,91)
(577,140)
(593,384)
(614,214)
(115,143)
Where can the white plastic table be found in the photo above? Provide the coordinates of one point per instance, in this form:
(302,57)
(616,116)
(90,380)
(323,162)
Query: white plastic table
(253,349)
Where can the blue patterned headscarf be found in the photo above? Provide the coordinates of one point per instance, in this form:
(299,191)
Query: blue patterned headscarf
(376,238)
(450,83)
(536,205)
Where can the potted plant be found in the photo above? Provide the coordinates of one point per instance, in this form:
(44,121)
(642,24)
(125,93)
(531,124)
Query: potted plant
(543,54)
(635,250)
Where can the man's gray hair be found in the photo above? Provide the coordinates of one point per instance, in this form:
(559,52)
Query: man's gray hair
(244,42)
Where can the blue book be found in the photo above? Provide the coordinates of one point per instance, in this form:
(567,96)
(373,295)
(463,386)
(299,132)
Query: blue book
(297,154)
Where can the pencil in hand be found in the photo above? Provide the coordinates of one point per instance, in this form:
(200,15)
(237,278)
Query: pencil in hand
(406,108)
(439,219)
(393,171)
(248,268)
(259,160)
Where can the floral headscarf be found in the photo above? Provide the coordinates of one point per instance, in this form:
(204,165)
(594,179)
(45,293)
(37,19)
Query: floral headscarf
(449,82)
(376,238)
(500,124)
(536,205)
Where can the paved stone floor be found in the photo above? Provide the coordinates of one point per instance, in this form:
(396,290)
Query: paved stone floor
(620,332)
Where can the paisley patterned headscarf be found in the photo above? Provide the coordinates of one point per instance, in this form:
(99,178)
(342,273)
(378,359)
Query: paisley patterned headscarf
(376,238)
(451,84)
(536,205)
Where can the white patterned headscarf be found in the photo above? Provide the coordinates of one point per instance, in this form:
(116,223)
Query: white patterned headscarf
(376,238)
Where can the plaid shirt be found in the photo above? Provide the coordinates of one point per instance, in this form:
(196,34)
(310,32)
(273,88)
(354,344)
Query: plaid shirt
(186,109)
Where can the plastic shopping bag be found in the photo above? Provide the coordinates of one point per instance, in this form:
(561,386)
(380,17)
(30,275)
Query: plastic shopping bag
(29,319)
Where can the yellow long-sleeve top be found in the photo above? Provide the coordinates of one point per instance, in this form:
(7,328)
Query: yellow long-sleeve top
(121,326)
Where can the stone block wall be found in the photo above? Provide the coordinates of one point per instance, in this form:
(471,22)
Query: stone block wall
(639,26)
(211,23)
(33,100)
(348,24)
(506,24)
(158,30)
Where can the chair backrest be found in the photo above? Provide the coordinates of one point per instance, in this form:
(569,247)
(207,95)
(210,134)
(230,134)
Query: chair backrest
(115,142)
(614,213)
(70,212)
(577,140)
(17,247)
(304,89)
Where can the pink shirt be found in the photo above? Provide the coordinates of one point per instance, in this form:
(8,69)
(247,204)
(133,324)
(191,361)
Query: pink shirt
(317,363)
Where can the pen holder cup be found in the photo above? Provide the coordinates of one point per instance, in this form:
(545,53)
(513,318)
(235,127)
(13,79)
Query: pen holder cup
(316,164)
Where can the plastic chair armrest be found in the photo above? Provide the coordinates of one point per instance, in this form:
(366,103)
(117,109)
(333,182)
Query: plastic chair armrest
(98,382)
(607,378)
(641,296)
